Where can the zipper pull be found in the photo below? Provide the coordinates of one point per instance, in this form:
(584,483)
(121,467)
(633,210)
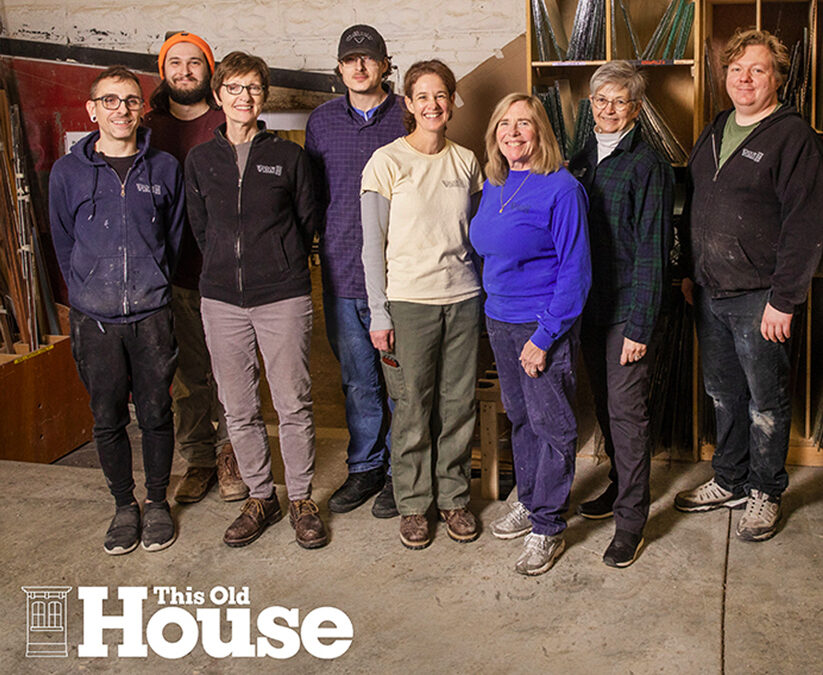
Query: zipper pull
(122,189)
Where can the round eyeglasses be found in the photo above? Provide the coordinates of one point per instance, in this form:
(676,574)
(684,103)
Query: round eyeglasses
(619,104)
(112,102)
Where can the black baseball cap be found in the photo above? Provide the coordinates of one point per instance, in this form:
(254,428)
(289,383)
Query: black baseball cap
(361,39)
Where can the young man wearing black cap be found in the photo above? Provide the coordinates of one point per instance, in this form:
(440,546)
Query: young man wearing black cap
(182,116)
(341,136)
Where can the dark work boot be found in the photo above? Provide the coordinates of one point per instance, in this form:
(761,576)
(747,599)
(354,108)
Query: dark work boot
(356,490)
(384,505)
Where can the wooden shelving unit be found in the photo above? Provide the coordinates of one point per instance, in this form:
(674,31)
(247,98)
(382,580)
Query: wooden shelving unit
(678,90)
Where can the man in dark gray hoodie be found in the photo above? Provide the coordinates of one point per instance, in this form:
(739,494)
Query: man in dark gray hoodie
(755,238)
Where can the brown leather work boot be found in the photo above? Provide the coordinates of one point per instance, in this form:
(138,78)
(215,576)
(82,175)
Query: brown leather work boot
(460,524)
(232,487)
(414,531)
(254,517)
(309,530)
(195,484)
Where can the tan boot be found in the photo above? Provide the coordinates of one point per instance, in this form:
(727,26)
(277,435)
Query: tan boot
(195,484)
(232,487)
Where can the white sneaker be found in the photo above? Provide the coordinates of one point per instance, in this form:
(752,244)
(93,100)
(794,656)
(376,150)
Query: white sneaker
(761,518)
(513,524)
(539,553)
(707,497)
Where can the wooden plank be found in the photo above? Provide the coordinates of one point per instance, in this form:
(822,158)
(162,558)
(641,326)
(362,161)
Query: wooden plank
(489,439)
(44,408)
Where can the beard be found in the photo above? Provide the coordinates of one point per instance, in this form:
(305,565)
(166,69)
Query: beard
(189,96)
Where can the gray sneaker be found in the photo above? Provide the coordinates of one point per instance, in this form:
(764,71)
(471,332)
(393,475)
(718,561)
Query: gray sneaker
(539,553)
(760,520)
(707,497)
(513,524)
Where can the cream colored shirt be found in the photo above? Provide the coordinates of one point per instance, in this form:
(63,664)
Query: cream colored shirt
(427,254)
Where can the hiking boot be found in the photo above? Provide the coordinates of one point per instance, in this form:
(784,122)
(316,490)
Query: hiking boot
(158,526)
(707,497)
(599,507)
(414,531)
(356,490)
(255,516)
(195,484)
(515,523)
(384,505)
(539,553)
(309,530)
(460,524)
(123,534)
(760,520)
(624,549)
(232,487)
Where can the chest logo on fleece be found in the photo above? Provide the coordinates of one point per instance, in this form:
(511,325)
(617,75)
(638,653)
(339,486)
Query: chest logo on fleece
(750,154)
(276,170)
(145,187)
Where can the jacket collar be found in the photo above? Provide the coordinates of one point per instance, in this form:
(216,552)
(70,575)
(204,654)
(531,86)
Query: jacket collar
(220,132)
(84,148)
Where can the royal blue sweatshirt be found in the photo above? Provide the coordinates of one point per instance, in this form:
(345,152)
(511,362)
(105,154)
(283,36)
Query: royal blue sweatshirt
(117,243)
(536,263)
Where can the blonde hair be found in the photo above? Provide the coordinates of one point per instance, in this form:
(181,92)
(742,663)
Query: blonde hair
(546,158)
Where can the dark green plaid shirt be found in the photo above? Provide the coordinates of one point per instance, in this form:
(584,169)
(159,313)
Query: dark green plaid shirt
(630,228)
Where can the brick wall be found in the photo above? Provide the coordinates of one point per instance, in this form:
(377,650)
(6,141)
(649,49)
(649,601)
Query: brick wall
(295,34)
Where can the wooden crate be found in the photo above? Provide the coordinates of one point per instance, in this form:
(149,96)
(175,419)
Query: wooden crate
(44,408)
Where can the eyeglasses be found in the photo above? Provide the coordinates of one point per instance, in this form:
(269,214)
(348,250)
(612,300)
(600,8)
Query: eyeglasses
(235,89)
(620,104)
(112,102)
(355,59)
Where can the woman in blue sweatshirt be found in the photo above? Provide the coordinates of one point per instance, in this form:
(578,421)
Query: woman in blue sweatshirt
(531,232)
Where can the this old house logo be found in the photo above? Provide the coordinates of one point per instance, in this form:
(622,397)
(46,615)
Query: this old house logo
(46,620)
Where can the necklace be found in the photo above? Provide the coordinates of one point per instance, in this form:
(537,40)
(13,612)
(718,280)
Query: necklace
(503,204)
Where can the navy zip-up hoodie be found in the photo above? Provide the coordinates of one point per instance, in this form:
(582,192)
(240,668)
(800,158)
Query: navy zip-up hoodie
(755,222)
(117,243)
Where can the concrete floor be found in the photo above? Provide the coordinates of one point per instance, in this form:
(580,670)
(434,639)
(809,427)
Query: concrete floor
(697,601)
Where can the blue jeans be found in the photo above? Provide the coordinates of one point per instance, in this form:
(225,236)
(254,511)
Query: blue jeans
(367,407)
(747,377)
(544,428)
(113,360)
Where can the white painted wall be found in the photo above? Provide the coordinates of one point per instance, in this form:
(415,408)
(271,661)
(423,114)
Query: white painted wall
(295,34)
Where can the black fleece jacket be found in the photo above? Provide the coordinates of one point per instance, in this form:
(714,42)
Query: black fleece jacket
(254,230)
(757,222)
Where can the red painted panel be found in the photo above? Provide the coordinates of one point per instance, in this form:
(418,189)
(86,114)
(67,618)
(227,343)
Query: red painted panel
(52,100)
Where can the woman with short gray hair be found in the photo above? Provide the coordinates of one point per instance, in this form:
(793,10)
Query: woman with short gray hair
(630,206)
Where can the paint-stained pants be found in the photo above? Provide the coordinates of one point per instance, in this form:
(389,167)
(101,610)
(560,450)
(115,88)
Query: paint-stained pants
(747,377)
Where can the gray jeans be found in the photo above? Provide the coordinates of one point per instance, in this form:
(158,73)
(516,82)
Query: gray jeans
(281,331)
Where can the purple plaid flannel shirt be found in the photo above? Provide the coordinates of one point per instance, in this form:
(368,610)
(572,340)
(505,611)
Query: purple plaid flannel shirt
(340,142)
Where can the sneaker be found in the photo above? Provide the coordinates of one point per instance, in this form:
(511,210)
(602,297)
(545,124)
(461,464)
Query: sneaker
(513,524)
(309,530)
(356,490)
(707,497)
(123,534)
(539,553)
(460,524)
(255,516)
(195,484)
(384,505)
(158,526)
(624,549)
(760,520)
(232,487)
(600,507)
(414,531)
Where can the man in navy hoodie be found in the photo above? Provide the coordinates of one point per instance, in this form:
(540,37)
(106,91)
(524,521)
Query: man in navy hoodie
(116,209)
